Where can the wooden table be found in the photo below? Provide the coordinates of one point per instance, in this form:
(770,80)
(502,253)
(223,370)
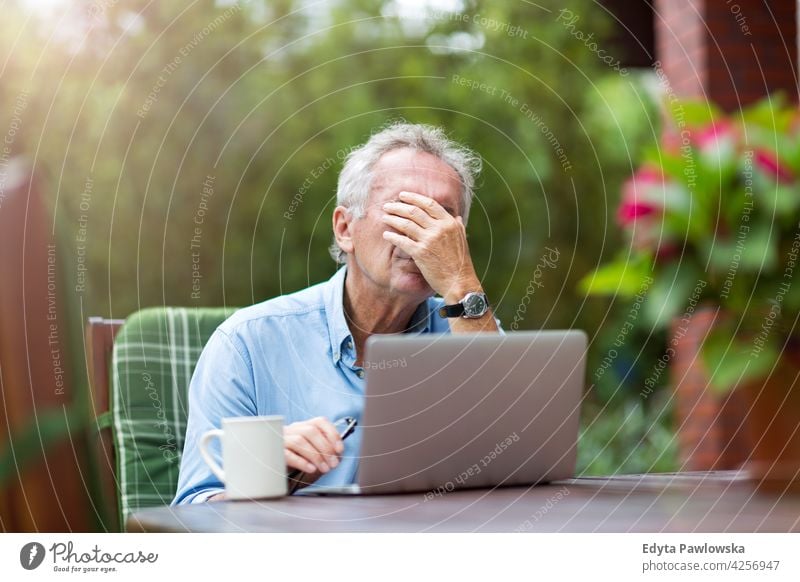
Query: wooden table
(722,501)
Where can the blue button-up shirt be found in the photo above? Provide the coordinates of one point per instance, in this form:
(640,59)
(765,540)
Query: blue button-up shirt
(293,356)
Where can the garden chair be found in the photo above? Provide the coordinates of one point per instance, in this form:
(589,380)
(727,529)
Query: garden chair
(140,372)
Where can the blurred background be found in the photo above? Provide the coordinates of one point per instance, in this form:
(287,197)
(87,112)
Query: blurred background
(186,154)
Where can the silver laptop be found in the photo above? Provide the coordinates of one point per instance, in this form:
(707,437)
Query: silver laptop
(453,411)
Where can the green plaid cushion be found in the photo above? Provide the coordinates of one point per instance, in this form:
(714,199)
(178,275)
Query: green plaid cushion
(154,356)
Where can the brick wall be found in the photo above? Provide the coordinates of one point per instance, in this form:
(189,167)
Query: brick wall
(732,52)
(680,43)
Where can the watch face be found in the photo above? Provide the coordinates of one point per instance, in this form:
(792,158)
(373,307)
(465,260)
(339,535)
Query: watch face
(475,305)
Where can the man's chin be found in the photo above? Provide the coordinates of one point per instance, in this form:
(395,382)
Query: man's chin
(410,280)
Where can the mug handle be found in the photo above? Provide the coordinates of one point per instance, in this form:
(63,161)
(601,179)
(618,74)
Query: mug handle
(216,469)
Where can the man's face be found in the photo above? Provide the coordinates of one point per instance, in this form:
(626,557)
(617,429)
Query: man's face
(379,261)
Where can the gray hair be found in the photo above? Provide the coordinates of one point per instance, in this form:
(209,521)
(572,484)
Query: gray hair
(355,179)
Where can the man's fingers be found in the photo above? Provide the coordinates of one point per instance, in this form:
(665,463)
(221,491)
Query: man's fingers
(313,441)
(405,244)
(411,212)
(407,227)
(303,447)
(329,431)
(295,461)
(427,204)
(313,448)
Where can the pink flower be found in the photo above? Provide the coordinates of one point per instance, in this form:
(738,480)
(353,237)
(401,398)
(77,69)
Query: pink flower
(636,199)
(645,197)
(769,163)
(714,135)
(716,142)
(630,211)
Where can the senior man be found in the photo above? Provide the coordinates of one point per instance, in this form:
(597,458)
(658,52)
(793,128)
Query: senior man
(402,202)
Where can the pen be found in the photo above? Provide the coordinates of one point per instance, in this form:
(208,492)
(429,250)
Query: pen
(297,474)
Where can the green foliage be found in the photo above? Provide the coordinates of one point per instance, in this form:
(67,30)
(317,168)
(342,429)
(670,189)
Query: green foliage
(268,108)
(200,144)
(632,438)
(668,294)
(729,360)
(622,277)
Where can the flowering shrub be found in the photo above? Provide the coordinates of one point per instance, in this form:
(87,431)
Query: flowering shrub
(717,205)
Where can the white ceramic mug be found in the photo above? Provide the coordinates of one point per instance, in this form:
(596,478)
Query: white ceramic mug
(252,454)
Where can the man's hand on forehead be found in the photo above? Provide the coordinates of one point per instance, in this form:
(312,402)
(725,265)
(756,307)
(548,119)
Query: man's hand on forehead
(396,199)
(434,238)
(427,203)
(416,207)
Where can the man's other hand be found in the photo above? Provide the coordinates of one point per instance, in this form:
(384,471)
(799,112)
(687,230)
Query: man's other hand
(312,446)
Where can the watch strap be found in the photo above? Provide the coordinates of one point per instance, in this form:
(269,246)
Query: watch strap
(462,309)
(455,310)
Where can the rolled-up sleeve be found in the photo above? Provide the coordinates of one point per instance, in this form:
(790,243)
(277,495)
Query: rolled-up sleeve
(222,386)
(500,329)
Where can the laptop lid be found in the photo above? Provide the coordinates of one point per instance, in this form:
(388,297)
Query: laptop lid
(451,411)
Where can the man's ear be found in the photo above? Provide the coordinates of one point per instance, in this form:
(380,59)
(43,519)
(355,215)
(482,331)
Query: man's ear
(342,221)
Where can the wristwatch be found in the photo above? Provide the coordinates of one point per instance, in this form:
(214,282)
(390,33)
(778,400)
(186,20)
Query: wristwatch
(472,306)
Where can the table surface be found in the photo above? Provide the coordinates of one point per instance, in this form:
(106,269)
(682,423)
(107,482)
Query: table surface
(719,501)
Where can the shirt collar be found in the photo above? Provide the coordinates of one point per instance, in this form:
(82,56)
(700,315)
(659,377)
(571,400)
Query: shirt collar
(339,332)
(421,320)
(334,313)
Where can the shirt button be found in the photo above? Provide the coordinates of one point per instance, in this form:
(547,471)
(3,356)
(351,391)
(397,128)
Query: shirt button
(360,373)
(349,345)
